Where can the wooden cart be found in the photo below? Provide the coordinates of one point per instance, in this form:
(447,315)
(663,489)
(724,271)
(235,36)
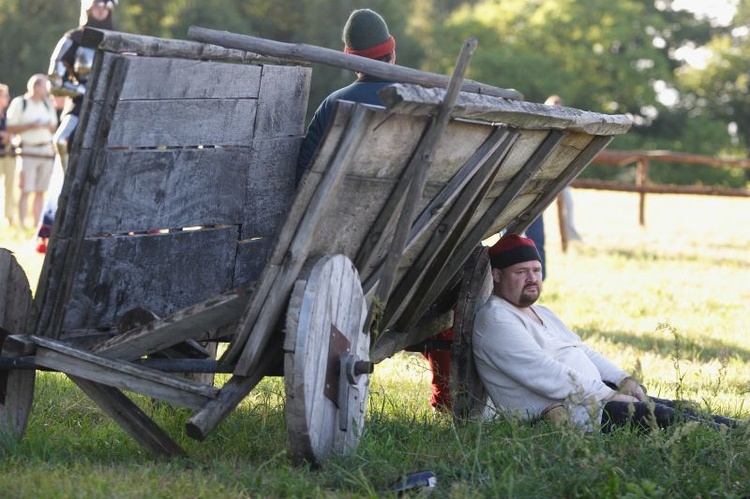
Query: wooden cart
(181,228)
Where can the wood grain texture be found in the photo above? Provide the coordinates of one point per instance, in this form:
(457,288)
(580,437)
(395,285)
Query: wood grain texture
(16,386)
(131,418)
(123,375)
(159,272)
(331,296)
(417,100)
(468,395)
(173,188)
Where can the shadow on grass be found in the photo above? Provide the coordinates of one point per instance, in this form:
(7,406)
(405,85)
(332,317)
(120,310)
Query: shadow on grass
(661,344)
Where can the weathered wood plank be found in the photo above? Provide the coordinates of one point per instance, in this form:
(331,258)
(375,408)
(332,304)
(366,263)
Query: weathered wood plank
(160,272)
(325,321)
(151,78)
(302,220)
(270,186)
(417,100)
(113,41)
(478,226)
(310,53)
(124,375)
(84,169)
(174,188)
(268,313)
(283,101)
(231,394)
(131,418)
(173,123)
(409,298)
(250,261)
(189,323)
(467,391)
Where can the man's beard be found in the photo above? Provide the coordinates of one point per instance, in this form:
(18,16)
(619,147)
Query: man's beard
(528,298)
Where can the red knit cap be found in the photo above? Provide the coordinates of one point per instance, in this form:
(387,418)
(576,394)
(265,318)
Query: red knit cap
(512,249)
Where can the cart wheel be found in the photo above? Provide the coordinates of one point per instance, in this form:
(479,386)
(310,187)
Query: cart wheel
(467,391)
(326,362)
(16,386)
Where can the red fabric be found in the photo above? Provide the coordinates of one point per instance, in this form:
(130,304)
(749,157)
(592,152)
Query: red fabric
(440,366)
(509,242)
(375,52)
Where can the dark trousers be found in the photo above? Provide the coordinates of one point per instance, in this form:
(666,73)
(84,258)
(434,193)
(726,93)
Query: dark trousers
(660,413)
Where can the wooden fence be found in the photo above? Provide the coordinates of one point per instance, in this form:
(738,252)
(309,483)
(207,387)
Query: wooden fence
(642,185)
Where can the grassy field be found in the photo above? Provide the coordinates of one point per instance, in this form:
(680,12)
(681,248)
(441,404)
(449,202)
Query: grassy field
(668,301)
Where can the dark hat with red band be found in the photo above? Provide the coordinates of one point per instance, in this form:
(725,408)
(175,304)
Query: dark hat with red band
(366,34)
(512,249)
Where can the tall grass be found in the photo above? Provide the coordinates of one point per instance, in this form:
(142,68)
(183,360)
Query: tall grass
(668,301)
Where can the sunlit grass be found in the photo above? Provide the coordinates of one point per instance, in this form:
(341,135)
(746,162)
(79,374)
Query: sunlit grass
(668,301)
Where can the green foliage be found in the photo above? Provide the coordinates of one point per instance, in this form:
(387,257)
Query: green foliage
(606,57)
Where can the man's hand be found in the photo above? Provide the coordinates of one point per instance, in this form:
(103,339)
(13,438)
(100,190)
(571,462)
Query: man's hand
(621,397)
(631,387)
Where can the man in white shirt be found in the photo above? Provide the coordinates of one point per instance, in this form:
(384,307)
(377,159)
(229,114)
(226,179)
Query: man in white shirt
(534,367)
(33,119)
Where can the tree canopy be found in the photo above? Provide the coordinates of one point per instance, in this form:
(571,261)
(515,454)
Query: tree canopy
(613,57)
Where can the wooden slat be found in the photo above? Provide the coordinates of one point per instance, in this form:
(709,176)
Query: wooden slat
(231,394)
(131,418)
(222,122)
(416,172)
(502,142)
(124,375)
(113,41)
(309,53)
(293,243)
(162,272)
(84,169)
(158,189)
(162,78)
(282,102)
(305,191)
(476,231)
(438,249)
(418,100)
(270,311)
(269,183)
(575,167)
(189,323)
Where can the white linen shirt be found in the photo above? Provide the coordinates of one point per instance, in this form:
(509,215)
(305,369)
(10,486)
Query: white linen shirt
(527,366)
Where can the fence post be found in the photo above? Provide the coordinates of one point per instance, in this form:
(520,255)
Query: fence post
(641,180)
(561,222)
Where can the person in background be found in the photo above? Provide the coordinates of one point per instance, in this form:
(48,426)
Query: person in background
(32,118)
(534,367)
(365,34)
(7,164)
(69,69)
(565,199)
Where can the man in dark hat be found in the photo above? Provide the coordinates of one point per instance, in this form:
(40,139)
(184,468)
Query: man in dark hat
(534,367)
(365,34)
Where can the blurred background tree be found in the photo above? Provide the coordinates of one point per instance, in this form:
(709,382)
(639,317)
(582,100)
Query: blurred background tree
(625,57)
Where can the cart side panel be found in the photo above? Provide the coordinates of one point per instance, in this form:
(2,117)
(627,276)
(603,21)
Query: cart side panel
(156,271)
(186,172)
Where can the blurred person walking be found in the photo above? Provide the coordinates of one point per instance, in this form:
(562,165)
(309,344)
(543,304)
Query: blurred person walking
(32,119)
